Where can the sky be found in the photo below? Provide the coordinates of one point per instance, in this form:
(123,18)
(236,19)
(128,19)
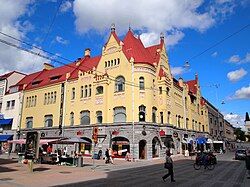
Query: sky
(191,28)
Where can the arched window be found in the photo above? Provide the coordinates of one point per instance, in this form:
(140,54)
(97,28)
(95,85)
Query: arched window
(48,101)
(99,90)
(120,84)
(161,115)
(167,90)
(54,97)
(85,117)
(168,117)
(154,109)
(86,91)
(119,114)
(142,113)
(99,117)
(82,91)
(141,83)
(48,120)
(72,118)
(90,90)
(73,93)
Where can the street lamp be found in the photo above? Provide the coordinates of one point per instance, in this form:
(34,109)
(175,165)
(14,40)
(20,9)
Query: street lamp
(133,107)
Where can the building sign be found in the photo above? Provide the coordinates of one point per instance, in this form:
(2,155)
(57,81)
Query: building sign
(175,134)
(162,133)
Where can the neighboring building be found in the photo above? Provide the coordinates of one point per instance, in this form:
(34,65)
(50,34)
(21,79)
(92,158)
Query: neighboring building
(9,105)
(247,123)
(229,136)
(127,92)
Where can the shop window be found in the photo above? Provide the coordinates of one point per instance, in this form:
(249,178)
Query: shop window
(48,120)
(119,114)
(85,117)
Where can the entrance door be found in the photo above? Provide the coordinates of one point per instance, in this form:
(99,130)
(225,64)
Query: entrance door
(142,149)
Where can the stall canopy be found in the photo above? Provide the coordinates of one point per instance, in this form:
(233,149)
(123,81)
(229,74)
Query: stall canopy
(5,122)
(73,140)
(5,137)
(201,140)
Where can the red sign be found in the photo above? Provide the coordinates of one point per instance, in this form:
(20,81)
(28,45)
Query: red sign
(162,133)
(79,133)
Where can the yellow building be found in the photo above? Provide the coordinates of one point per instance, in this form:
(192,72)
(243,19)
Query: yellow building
(127,92)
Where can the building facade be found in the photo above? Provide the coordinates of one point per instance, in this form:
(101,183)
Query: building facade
(127,93)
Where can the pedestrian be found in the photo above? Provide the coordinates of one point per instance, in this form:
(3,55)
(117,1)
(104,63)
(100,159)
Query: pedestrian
(169,165)
(111,155)
(107,156)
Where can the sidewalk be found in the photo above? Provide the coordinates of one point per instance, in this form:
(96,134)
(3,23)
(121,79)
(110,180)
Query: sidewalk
(13,173)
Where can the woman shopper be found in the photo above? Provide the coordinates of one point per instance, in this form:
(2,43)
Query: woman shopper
(168,165)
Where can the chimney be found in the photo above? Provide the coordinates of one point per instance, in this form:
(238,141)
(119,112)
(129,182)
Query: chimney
(196,77)
(180,81)
(47,66)
(87,52)
(162,37)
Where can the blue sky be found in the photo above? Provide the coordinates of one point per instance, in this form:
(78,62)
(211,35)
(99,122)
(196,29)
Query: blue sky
(190,27)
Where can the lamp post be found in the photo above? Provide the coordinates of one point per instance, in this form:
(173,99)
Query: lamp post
(133,107)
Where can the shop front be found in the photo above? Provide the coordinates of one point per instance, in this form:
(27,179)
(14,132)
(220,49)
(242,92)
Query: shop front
(86,148)
(120,146)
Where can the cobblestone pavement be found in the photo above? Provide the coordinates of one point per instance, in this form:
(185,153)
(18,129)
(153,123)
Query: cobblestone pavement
(141,173)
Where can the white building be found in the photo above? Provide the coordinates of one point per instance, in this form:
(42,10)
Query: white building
(10,106)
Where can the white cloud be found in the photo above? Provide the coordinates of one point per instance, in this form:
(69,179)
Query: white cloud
(236,75)
(243,93)
(151,17)
(214,54)
(235,119)
(238,60)
(151,38)
(60,40)
(178,70)
(234,59)
(65,6)
(12,58)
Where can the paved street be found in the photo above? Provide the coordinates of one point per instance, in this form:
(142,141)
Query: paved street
(227,172)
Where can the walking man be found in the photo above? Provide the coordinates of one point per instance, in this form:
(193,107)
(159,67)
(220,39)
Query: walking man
(169,165)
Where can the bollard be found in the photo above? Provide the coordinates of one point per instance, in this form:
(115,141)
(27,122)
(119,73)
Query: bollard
(30,165)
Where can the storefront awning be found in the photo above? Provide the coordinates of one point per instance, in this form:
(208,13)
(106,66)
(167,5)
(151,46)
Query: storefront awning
(5,137)
(42,141)
(201,140)
(5,122)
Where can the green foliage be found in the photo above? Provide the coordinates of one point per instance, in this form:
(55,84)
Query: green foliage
(240,135)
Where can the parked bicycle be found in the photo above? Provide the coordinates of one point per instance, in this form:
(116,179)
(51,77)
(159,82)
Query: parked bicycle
(205,160)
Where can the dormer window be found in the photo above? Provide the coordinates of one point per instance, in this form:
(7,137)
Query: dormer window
(56,77)
(36,82)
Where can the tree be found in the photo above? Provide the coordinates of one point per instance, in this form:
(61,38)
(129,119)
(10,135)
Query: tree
(240,135)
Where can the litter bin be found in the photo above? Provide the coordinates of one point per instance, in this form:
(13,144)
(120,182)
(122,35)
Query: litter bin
(80,161)
(20,157)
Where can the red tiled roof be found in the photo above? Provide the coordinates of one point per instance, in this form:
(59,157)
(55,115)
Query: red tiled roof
(133,47)
(86,64)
